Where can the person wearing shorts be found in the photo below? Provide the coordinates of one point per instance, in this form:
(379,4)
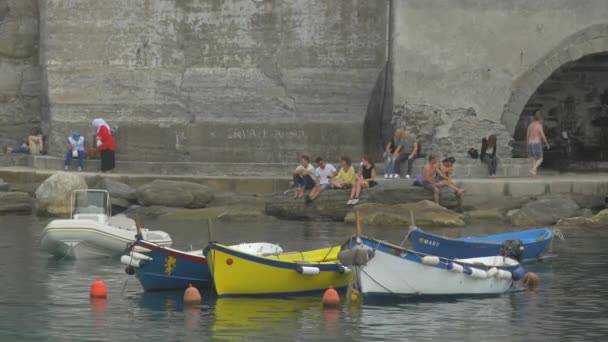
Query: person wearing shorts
(366,179)
(535,137)
(429,173)
(302,176)
(323,173)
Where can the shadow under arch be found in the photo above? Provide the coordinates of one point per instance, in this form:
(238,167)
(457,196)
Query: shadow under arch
(591,40)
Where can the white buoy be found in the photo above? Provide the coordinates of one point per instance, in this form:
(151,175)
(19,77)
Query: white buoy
(140,256)
(430,260)
(308,270)
(130,261)
(502,274)
(344,270)
(455,267)
(477,273)
(492,271)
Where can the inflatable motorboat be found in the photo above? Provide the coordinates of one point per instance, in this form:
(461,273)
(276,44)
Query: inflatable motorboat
(92,231)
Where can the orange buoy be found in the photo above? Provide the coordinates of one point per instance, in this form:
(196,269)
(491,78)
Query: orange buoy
(331,298)
(531,280)
(98,289)
(192,296)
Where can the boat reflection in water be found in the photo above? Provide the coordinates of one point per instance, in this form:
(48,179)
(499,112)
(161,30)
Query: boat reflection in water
(248,318)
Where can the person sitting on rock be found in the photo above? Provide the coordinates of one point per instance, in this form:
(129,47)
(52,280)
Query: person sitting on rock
(407,148)
(23,148)
(429,175)
(346,175)
(445,171)
(302,176)
(389,155)
(366,179)
(75,149)
(323,173)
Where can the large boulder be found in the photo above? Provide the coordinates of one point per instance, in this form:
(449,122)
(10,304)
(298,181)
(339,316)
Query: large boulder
(117,189)
(122,196)
(331,204)
(599,219)
(3,185)
(544,211)
(426,214)
(174,194)
(15,202)
(53,195)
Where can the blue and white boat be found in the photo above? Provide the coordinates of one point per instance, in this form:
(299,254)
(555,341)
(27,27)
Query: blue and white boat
(161,268)
(527,245)
(382,268)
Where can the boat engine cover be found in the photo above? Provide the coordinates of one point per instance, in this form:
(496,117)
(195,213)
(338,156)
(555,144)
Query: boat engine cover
(513,249)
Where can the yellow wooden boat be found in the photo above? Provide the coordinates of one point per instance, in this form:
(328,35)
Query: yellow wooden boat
(237,273)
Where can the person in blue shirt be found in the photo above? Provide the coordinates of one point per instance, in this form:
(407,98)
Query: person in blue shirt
(75,149)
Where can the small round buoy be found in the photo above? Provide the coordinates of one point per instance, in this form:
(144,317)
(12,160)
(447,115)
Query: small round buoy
(98,289)
(354,296)
(192,296)
(331,298)
(531,280)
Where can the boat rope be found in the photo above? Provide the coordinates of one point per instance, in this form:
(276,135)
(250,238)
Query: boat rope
(326,255)
(409,231)
(375,281)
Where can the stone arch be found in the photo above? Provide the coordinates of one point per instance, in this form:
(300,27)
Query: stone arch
(593,39)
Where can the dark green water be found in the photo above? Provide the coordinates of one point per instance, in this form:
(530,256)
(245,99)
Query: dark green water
(44,299)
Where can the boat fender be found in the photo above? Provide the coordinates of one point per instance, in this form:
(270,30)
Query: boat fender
(467,270)
(140,249)
(344,270)
(307,270)
(140,256)
(477,273)
(454,267)
(130,270)
(502,274)
(430,260)
(130,261)
(492,271)
(356,256)
(518,273)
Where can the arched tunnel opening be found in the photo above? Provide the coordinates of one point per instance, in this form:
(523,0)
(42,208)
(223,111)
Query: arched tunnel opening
(574,104)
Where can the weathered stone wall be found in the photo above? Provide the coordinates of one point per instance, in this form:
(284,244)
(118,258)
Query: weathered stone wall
(214,80)
(457,64)
(19,70)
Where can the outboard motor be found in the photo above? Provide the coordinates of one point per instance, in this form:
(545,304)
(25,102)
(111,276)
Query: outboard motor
(513,249)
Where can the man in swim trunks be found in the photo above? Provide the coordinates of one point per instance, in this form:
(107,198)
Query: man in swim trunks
(534,139)
(429,174)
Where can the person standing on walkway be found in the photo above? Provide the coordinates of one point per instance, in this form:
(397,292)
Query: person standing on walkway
(407,147)
(105,144)
(75,149)
(488,154)
(535,138)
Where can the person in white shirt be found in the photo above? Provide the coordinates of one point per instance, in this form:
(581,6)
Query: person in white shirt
(75,149)
(323,173)
(302,176)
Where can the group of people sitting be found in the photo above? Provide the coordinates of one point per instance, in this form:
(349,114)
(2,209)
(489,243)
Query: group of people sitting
(325,177)
(77,146)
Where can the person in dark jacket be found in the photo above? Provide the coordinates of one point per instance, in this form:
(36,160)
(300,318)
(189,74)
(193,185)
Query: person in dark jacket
(488,154)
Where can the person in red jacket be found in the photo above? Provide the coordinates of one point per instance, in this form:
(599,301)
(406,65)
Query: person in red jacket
(105,144)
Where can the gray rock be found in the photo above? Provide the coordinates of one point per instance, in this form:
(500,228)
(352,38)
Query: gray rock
(426,214)
(174,194)
(137,211)
(15,202)
(120,203)
(544,211)
(485,214)
(331,204)
(53,195)
(240,214)
(234,199)
(4,185)
(117,190)
(598,220)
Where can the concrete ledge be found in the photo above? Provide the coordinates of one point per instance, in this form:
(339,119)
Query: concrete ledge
(14,160)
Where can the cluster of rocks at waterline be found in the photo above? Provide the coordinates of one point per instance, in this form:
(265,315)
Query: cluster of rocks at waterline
(386,204)
(13,201)
(597,220)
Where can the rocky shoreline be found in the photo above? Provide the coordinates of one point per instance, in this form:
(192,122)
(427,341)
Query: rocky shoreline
(388,204)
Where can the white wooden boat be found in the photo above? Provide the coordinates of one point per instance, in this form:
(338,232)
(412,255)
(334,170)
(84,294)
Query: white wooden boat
(386,269)
(92,231)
